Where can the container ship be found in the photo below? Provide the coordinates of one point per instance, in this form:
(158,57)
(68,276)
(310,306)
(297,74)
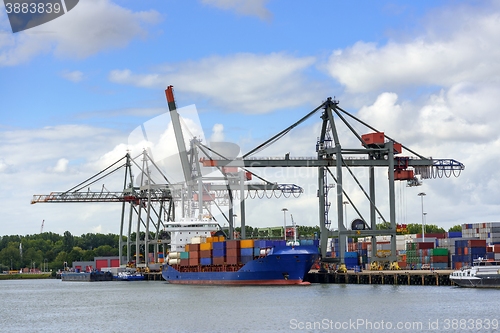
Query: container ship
(200,254)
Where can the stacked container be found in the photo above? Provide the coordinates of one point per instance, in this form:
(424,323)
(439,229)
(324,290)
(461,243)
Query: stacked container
(351,260)
(466,250)
(439,258)
(233,252)
(246,251)
(489,231)
(219,253)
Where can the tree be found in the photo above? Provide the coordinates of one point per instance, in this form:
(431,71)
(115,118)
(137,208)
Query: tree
(455,228)
(68,241)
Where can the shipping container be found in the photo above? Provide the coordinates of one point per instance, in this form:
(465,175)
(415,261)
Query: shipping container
(206,254)
(246,251)
(205,246)
(232,260)
(206,261)
(246,243)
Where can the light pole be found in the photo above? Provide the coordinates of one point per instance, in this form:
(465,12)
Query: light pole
(421,195)
(345,211)
(45,266)
(284,222)
(234,224)
(10,263)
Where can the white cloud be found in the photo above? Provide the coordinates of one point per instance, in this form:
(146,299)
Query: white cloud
(74,76)
(253,83)
(243,7)
(217,133)
(61,165)
(466,53)
(91,27)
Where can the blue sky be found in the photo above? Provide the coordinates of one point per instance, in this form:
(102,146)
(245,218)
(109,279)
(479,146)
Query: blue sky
(74,89)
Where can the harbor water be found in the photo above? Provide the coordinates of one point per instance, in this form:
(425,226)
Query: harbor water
(154,306)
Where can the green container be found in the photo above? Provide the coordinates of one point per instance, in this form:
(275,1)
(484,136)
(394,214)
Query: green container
(439,252)
(184,255)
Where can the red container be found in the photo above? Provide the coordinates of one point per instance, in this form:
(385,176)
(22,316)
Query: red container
(232,244)
(194,261)
(425,245)
(477,243)
(231,260)
(206,254)
(194,247)
(194,254)
(184,262)
(218,260)
(232,252)
(438,259)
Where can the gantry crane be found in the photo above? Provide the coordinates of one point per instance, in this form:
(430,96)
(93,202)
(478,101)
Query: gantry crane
(377,150)
(150,203)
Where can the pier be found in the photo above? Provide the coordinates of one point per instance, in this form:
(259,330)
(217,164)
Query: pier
(402,277)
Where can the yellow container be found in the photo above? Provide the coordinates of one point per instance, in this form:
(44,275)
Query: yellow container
(222,238)
(246,243)
(186,247)
(205,246)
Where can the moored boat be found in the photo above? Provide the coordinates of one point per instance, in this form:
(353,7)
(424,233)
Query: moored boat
(130,276)
(482,274)
(86,276)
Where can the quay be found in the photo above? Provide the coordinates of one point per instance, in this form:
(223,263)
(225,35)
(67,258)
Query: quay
(395,277)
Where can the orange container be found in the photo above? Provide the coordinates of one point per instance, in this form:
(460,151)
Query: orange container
(246,243)
(205,246)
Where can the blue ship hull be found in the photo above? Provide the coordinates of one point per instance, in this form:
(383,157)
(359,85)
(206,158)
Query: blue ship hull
(285,265)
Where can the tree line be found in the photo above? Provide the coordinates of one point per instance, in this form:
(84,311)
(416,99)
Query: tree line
(48,250)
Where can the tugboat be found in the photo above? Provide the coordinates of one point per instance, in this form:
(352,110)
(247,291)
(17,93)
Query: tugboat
(482,274)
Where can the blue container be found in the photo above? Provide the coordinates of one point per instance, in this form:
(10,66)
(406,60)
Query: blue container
(259,243)
(256,251)
(246,252)
(218,245)
(351,255)
(206,261)
(477,251)
(246,259)
(219,253)
(280,243)
(316,242)
(439,265)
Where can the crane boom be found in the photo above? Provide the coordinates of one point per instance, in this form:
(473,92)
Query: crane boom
(179,137)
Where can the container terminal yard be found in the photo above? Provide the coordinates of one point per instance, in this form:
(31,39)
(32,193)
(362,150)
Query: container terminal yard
(355,253)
